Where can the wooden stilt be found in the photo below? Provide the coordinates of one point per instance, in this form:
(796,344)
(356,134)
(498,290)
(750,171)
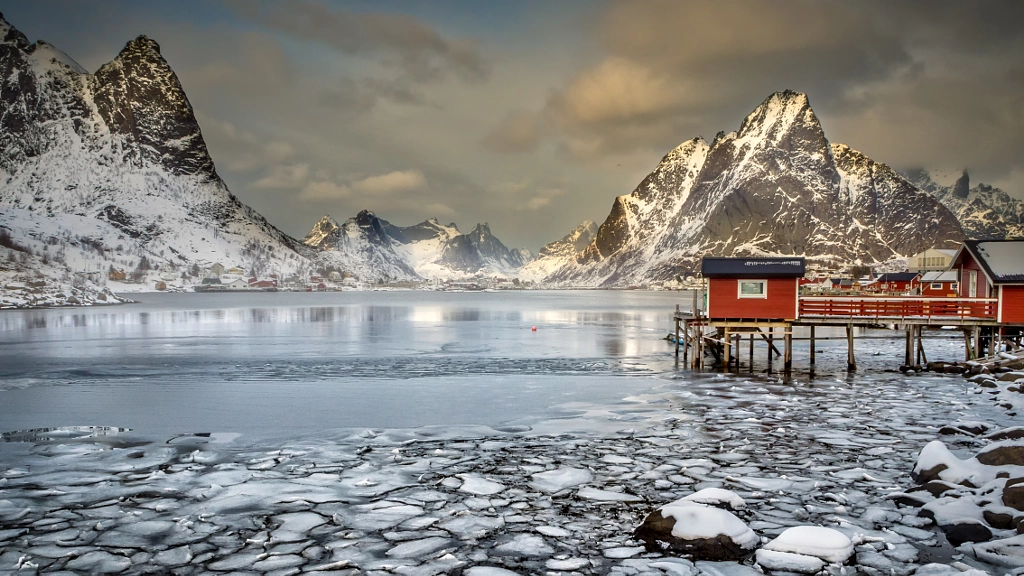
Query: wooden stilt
(771,347)
(788,358)
(727,351)
(851,362)
(967,345)
(751,351)
(922,358)
(677,331)
(812,347)
(908,355)
(977,341)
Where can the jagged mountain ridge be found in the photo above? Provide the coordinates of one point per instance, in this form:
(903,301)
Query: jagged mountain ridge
(117,164)
(370,247)
(555,254)
(775,187)
(984,211)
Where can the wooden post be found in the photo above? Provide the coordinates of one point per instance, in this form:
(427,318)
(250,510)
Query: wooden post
(788,358)
(751,351)
(922,358)
(812,347)
(727,350)
(771,346)
(851,362)
(967,345)
(908,355)
(677,332)
(977,342)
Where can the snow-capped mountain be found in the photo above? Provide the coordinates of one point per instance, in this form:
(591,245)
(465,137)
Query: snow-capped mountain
(361,246)
(775,187)
(371,248)
(556,254)
(111,167)
(984,211)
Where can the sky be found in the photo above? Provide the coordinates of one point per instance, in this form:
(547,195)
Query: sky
(532,116)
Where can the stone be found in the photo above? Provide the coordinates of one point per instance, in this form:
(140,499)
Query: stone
(926,476)
(1013,433)
(938,487)
(967,531)
(1013,493)
(1005,453)
(998,520)
(656,532)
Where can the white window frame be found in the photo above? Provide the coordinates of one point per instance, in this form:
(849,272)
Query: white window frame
(762,296)
(972,288)
(936,286)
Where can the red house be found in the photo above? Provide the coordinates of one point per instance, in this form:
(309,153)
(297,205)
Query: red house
(993,269)
(939,284)
(897,283)
(753,288)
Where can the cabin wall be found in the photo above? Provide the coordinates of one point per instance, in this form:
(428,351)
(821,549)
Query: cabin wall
(1012,303)
(723,300)
(968,265)
(945,291)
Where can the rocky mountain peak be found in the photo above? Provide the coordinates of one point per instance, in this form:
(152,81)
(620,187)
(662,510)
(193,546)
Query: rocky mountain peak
(962,187)
(141,46)
(12,35)
(778,111)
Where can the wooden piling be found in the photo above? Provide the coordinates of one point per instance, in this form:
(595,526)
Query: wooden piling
(771,346)
(787,361)
(922,358)
(677,333)
(751,351)
(851,361)
(812,347)
(977,341)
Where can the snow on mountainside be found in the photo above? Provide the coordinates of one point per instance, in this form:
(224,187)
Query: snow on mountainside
(111,167)
(983,211)
(371,248)
(556,254)
(775,187)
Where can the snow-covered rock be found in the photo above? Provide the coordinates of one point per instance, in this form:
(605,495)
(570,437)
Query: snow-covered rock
(704,532)
(825,543)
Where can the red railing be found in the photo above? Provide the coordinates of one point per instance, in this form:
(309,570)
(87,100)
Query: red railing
(858,307)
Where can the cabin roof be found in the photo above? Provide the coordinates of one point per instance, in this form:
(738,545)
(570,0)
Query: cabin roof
(1002,260)
(944,276)
(753,267)
(897,277)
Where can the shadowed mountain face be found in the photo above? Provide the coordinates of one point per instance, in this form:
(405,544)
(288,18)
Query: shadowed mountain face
(118,158)
(775,187)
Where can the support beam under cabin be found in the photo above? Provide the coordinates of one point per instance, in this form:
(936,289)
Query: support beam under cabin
(851,362)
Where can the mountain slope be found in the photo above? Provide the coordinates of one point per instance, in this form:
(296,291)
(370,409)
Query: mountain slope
(117,164)
(556,254)
(984,211)
(775,187)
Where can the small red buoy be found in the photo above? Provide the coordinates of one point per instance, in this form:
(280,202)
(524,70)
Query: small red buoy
(534,328)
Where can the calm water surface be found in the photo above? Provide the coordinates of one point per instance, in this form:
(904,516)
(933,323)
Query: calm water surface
(277,364)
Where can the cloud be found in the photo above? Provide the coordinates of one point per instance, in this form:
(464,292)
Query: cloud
(321,190)
(284,177)
(517,132)
(438,209)
(391,183)
(398,40)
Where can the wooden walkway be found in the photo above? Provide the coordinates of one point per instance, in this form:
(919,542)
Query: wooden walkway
(697,336)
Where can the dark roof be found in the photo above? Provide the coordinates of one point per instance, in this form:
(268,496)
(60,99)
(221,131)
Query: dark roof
(842,281)
(1002,260)
(753,267)
(897,277)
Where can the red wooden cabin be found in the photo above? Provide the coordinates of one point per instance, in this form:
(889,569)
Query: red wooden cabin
(897,283)
(993,269)
(753,288)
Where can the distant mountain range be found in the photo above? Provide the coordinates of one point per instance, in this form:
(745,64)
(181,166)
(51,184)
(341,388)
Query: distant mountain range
(102,170)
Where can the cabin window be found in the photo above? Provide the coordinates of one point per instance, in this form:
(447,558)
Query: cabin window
(953,287)
(753,289)
(972,288)
(936,285)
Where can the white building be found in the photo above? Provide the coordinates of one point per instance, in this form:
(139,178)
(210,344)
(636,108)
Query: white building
(931,260)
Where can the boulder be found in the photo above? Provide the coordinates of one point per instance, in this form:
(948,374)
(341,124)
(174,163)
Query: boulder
(1013,494)
(1011,376)
(825,543)
(998,520)
(702,532)
(1004,453)
(966,531)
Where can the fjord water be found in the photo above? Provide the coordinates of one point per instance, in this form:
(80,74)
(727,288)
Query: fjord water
(283,364)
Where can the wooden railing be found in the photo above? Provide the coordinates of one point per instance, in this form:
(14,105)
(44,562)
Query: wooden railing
(859,307)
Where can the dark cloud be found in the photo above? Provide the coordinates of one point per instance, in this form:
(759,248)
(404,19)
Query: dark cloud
(518,131)
(412,46)
(910,83)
